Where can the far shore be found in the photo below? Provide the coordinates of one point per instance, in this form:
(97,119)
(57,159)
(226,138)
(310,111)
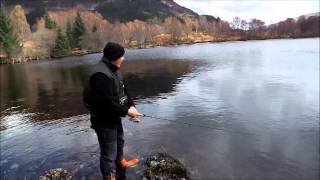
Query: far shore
(146,46)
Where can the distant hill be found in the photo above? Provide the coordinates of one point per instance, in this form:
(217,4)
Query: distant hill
(113,10)
(128,10)
(295,19)
(309,15)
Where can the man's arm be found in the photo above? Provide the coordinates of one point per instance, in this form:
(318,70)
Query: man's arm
(130,100)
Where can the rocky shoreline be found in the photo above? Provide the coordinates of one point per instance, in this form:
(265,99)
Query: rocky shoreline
(159,166)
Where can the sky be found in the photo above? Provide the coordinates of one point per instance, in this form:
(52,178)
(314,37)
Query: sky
(270,11)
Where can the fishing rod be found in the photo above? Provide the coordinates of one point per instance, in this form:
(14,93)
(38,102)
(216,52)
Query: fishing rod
(196,125)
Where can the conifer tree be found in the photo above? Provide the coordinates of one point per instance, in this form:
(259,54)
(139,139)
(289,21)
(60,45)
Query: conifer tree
(62,46)
(9,42)
(69,33)
(49,23)
(94,28)
(78,31)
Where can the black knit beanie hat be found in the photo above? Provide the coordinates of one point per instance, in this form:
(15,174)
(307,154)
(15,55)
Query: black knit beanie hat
(113,51)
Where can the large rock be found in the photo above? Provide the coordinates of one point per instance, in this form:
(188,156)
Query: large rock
(163,167)
(56,174)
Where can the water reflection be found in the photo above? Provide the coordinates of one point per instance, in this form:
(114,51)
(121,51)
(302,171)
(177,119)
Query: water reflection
(53,92)
(153,78)
(44,94)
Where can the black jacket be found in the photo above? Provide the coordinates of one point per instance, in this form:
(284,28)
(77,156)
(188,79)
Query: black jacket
(106,111)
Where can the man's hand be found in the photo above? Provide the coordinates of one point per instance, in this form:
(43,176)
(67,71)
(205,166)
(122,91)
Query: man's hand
(134,114)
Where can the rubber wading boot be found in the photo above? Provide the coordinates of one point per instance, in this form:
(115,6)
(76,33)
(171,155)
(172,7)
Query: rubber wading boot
(129,163)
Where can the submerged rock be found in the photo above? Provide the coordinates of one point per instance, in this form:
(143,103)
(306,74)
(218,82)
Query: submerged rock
(163,167)
(56,174)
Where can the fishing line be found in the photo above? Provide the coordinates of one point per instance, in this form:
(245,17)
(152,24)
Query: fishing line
(196,125)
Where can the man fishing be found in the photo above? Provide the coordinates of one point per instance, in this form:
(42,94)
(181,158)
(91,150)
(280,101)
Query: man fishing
(107,99)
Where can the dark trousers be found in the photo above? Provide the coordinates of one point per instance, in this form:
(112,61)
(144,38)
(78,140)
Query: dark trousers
(111,141)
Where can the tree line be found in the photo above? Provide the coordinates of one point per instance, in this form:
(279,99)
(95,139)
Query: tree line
(289,28)
(74,31)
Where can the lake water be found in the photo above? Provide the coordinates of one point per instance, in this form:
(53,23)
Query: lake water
(260,97)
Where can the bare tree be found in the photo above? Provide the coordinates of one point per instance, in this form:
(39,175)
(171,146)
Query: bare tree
(173,27)
(236,23)
(20,23)
(244,25)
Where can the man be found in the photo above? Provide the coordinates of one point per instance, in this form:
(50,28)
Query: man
(108,101)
